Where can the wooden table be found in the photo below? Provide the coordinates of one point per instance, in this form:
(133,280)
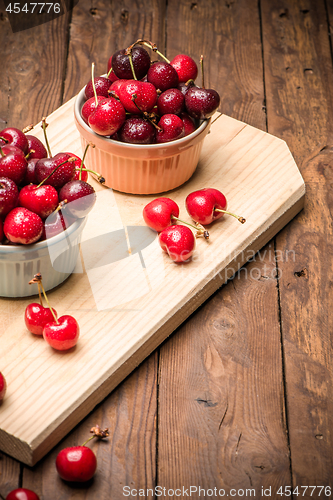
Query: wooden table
(240,396)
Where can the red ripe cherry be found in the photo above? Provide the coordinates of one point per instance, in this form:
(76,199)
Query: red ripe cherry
(1,231)
(63,334)
(145,100)
(170,101)
(137,131)
(16,137)
(36,148)
(185,66)
(178,241)
(36,317)
(172,128)
(9,148)
(160,213)
(111,74)
(108,117)
(102,86)
(23,226)
(189,125)
(57,222)
(201,103)
(14,166)
(63,174)
(77,164)
(41,200)
(76,464)
(207,205)
(29,177)
(22,494)
(3,387)
(9,195)
(116,86)
(122,67)
(80,197)
(89,107)
(184,87)
(162,75)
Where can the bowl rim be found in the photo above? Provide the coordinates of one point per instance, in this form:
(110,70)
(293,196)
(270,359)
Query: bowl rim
(80,100)
(41,245)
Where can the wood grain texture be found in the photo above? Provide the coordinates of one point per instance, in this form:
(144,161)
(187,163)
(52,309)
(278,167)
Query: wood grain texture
(221,387)
(299,109)
(9,475)
(33,65)
(131,308)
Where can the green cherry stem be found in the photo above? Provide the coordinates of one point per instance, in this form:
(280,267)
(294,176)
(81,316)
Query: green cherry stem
(2,153)
(109,72)
(131,63)
(38,279)
(100,178)
(72,159)
(149,44)
(200,230)
(44,125)
(84,155)
(202,71)
(93,82)
(241,219)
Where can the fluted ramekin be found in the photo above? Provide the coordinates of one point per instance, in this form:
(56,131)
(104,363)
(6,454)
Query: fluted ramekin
(55,258)
(137,168)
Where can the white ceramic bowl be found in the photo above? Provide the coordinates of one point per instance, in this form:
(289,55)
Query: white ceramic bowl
(55,258)
(138,168)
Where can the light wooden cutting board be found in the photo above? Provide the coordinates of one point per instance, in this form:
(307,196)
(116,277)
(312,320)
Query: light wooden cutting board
(126,294)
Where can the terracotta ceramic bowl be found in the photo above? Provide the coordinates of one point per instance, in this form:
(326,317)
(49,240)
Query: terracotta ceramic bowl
(141,169)
(55,258)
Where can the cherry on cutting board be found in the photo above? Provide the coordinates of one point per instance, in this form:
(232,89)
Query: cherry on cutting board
(207,205)
(78,463)
(22,494)
(178,241)
(3,387)
(36,317)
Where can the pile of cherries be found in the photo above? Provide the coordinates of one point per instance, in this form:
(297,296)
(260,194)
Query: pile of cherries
(145,102)
(204,206)
(40,194)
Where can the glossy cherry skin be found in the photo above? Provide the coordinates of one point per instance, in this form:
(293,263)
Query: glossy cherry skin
(163,76)
(185,66)
(108,117)
(111,74)
(57,222)
(14,166)
(136,130)
(146,96)
(201,103)
(159,213)
(76,464)
(80,196)
(102,86)
(9,195)
(29,177)
(202,204)
(22,494)
(36,148)
(77,163)
(16,137)
(121,64)
(172,128)
(3,387)
(89,106)
(2,234)
(62,335)
(36,317)
(178,241)
(189,125)
(23,226)
(41,200)
(63,174)
(171,101)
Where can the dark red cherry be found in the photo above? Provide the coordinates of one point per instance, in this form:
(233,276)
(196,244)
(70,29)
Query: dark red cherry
(170,101)
(137,131)
(201,103)
(63,174)
(9,194)
(162,75)
(36,148)
(102,86)
(121,64)
(172,128)
(80,197)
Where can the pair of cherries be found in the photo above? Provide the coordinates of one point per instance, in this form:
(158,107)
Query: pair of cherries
(60,333)
(204,206)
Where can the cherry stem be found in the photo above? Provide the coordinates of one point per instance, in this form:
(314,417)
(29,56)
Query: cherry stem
(241,219)
(44,125)
(149,44)
(97,433)
(202,71)
(3,139)
(2,153)
(109,72)
(40,295)
(145,114)
(38,279)
(93,82)
(131,64)
(84,155)
(200,230)
(27,128)
(30,153)
(70,160)
(100,178)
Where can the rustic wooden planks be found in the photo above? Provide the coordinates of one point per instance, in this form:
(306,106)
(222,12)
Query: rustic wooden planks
(299,109)
(129,308)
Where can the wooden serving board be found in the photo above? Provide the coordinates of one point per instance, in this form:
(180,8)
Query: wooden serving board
(126,294)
